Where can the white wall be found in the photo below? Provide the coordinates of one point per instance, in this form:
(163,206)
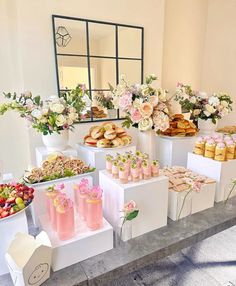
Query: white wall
(30,48)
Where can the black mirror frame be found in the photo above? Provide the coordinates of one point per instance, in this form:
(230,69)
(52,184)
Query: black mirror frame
(88,56)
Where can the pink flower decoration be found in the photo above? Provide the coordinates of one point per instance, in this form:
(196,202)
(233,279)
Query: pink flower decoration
(135,115)
(129,207)
(60,187)
(125,101)
(95,193)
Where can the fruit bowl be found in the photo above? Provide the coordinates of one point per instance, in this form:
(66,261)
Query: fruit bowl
(14,198)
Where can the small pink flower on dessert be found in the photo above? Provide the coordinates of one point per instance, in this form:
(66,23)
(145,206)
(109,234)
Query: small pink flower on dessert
(221,145)
(230,143)
(60,187)
(211,142)
(197,186)
(125,101)
(135,115)
(146,109)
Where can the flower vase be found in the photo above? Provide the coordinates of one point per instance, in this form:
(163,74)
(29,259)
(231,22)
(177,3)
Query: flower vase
(207,127)
(123,231)
(146,143)
(56,142)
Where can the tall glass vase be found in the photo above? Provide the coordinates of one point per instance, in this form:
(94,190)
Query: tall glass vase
(123,231)
(147,143)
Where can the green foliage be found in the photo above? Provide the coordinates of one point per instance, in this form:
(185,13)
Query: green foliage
(132,215)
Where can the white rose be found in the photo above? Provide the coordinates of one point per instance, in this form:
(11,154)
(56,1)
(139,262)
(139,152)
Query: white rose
(213,100)
(209,108)
(73,116)
(196,112)
(193,99)
(70,121)
(202,95)
(61,120)
(45,111)
(36,113)
(224,103)
(137,102)
(57,107)
(145,124)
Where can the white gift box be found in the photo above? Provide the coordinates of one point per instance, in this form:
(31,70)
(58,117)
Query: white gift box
(96,157)
(38,207)
(9,226)
(173,151)
(85,244)
(222,172)
(42,153)
(29,259)
(192,203)
(151,197)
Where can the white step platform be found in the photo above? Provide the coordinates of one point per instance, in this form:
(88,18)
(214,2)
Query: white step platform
(83,245)
(42,153)
(151,197)
(194,202)
(9,227)
(173,151)
(38,207)
(96,157)
(222,172)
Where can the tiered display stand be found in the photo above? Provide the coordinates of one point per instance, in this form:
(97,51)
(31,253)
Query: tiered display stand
(173,151)
(151,196)
(222,172)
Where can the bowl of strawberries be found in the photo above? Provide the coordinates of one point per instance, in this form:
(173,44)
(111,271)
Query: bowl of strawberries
(14,198)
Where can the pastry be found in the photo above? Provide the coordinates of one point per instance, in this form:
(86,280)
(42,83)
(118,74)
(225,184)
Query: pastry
(126,139)
(220,152)
(120,131)
(199,148)
(96,132)
(89,141)
(230,150)
(103,143)
(117,142)
(190,131)
(210,149)
(227,130)
(178,116)
(110,134)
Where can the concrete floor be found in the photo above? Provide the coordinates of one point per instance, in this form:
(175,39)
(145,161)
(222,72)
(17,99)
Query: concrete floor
(211,262)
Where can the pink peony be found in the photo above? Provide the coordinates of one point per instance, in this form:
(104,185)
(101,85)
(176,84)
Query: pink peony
(146,109)
(135,115)
(125,101)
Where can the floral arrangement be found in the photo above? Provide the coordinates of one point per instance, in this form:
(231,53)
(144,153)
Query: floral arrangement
(201,105)
(54,114)
(104,100)
(144,106)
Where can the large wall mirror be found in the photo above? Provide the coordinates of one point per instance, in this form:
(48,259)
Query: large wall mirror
(97,53)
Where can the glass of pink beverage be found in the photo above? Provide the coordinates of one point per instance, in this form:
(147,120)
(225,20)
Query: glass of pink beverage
(80,195)
(94,216)
(51,210)
(65,219)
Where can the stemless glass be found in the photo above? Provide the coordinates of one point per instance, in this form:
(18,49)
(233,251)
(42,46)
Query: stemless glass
(66,222)
(94,216)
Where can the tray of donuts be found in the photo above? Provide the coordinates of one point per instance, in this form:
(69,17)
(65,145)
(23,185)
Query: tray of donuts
(107,135)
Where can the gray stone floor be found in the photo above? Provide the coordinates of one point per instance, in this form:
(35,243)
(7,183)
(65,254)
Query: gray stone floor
(211,262)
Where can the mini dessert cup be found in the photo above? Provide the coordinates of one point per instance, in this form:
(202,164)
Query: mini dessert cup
(230,150)
(199,146)
(135,172)
(147,173)
(210,149)
(220,152)
(65,219)
(94,208)
(109,163)
(123,175)
(115,170)
(155,168)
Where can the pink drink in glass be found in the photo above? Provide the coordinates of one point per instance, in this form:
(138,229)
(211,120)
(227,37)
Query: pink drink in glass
(94,217)
(82,206)
(65,220)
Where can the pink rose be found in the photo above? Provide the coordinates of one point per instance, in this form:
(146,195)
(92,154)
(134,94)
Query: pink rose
(129,207)
(125,101)
(146,109)
(153,100)
(135,115)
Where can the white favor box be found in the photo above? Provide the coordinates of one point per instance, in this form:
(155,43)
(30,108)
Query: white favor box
(9,226)
(42,153)
(151,197)
(173,151)
(29,259)
(194,202)
(85,244)
(96,157)
(222,172)
(40,200)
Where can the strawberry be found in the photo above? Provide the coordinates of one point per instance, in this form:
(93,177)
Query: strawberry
(4,214)
(2,200)
(10,200)
(1,210)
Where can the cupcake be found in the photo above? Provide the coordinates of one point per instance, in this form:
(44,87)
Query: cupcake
(220,152)
(199,146)
(230,150)
(115,169)
(123,175)
(210,149)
